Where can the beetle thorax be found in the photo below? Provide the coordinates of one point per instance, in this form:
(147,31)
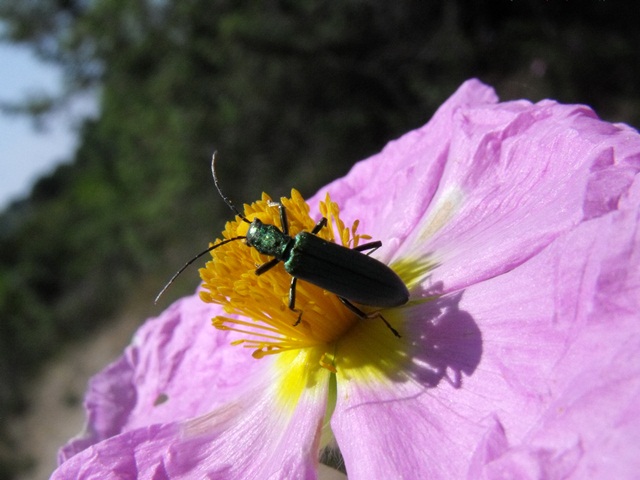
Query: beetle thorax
(267,239)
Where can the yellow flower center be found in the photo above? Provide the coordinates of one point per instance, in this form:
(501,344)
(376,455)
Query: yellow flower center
(261,301)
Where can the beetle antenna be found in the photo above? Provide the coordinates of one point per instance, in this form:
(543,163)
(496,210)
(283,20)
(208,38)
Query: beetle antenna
(224,197)
(184,267)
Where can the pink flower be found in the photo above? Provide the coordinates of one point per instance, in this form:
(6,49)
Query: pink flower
(515,227)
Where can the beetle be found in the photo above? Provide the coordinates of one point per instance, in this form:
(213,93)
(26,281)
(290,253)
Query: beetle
(350,274)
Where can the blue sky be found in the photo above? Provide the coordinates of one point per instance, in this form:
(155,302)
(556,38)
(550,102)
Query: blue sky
(26,154)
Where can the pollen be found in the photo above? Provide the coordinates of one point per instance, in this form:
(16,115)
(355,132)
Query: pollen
(257,306)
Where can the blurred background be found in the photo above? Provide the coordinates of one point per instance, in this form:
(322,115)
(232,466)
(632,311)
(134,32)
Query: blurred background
(291,94)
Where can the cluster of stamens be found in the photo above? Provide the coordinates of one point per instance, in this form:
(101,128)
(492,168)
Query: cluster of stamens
(257,305)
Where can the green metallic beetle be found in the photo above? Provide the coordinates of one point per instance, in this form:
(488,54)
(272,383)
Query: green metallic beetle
(347,272)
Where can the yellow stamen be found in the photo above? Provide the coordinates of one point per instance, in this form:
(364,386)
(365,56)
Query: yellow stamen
(230,280)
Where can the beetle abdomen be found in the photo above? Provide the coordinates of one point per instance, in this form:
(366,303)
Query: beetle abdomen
(345,272)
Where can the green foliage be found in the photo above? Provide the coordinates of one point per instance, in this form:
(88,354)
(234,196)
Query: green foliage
(290,93)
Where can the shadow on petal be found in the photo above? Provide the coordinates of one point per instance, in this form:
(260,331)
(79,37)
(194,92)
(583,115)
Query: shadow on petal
(446,342)
(438,341)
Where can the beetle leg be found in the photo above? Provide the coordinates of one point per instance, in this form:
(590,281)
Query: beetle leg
(362,314)
(284,223)
(283,219)
(292,300)
(267,266)
(319,226)
(373,246)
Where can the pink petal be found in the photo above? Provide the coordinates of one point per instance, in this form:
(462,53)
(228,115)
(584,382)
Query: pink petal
(129,455)
(390,191)
(529,371)
(249,438)
(557,371)
(178,367)
(526,173)
(530,170)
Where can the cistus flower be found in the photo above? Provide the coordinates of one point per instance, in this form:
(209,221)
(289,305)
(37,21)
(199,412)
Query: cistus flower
(514,226)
